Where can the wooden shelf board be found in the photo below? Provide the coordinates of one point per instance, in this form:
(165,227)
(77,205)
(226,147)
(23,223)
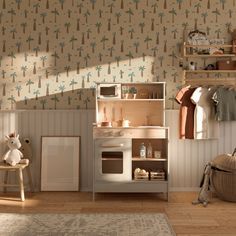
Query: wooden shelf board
(207,55)
(148,159)
(131,100)
(112,159)
(210,71)
(210,46)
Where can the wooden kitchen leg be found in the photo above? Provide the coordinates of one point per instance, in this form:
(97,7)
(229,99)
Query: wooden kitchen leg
(5,182)
(21,183)
(30,179)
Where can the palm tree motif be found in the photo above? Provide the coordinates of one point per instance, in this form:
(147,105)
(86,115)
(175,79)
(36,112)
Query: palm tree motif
(24,69)
(12,56)
(109,68)
(3,31)
(39,81)
(195,24)
(217,13)
(185,25)
(173,14)
(111,49)
(80,6)
(47,89)
(131,75)
(100,56)
(175,75)
(147,40)
(77,68)
(121,74)
(72,40)
(161,15)
(164,30)
(47,73)
(228,26)
(136,3)
(131,32)
(121,30)
(103,41)
(29,83)
(62,45)
(130,56)
(98,69)
(43,15)
(69,100)
(18,89)
(154,51)
(88,76)
(86,101)
(61,89)
(173,56)
(165,4)
(136,45)
(28,40)
(83,83)
(56,100)
(56,13)
(197,6)
(18,45)
(55,55)
(1,60)
(144,13)
(230,13)
(43,59)
(13,101)
(80,93)
(80,49)
(100,13)
(204,16)
(118,15)
(13,75)
(164,74)
(3,74)
(172,99)
(187,13)
(36,6)
(4,90)
(57,31)
(78,24)
(174,31)
(88,33)
(62,3)
(86,58)
(130,13)
(144,56)
(43,103)
(141,69)
(13,31)
(154,6)
(117,58)
(67,68)
(69,56)
(93,3)
(13,13)
(18,2)
(165,46)
(111,7)
(36,50)
(93,45)
(98,26)
(157,38)
(218,31)
(72,84)
(86,15)
(223,4)
(121,4)
(180,3)
(57,76)
(161,58)
(26,13)
(23,25)
(1,15)
(36,93)
(67,25)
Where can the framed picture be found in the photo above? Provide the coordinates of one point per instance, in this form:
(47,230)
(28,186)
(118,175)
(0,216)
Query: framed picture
(60,163)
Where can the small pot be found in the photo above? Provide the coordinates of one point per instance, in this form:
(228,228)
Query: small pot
(106,124)
(123,123)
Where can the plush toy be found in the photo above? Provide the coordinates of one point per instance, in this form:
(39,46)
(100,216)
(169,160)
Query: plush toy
(14,156)
(26,148)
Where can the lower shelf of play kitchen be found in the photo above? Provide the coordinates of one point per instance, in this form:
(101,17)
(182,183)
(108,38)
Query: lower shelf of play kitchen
(133,186)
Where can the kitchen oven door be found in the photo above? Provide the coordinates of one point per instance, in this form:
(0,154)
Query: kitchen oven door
(113,159)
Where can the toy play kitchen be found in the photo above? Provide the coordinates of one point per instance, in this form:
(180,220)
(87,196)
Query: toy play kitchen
(125,126)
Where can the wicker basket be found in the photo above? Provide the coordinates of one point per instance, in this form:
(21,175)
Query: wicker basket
(223,177)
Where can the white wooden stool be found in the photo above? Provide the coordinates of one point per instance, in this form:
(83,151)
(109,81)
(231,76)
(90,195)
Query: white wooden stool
(17,168)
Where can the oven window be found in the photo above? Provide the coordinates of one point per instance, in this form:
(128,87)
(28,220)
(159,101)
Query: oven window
(112,162)
(108,91)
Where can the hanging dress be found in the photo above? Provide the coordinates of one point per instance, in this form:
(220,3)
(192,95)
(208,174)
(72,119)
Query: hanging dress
(205,125)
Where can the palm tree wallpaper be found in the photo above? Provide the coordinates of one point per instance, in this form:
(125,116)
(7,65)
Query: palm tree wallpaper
(53,51)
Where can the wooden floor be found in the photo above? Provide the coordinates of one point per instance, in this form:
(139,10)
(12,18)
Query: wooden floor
(218,218)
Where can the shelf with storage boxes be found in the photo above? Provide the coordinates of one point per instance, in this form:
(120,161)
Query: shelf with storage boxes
(221,71)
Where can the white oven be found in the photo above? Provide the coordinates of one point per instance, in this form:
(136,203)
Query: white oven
(109,90)
(113,159)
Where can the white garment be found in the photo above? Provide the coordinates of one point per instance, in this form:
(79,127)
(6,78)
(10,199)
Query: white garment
(205,125)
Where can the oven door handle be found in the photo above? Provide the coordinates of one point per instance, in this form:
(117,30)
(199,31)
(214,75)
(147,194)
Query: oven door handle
(113,146)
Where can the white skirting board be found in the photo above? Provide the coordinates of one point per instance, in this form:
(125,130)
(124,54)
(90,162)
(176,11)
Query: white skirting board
(187,157)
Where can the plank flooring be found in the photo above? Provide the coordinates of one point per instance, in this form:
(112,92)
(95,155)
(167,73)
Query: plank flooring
(218,218)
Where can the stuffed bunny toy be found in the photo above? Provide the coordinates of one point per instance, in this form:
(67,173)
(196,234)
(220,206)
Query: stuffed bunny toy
(14,156)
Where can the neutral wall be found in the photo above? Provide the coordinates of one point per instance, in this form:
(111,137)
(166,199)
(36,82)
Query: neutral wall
(187,157)
(49,49)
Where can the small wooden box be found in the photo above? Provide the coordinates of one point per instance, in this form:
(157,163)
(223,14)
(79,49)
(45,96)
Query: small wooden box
(226,65)
(157,175)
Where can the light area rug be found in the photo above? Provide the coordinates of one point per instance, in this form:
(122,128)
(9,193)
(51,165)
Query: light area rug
(92,224)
